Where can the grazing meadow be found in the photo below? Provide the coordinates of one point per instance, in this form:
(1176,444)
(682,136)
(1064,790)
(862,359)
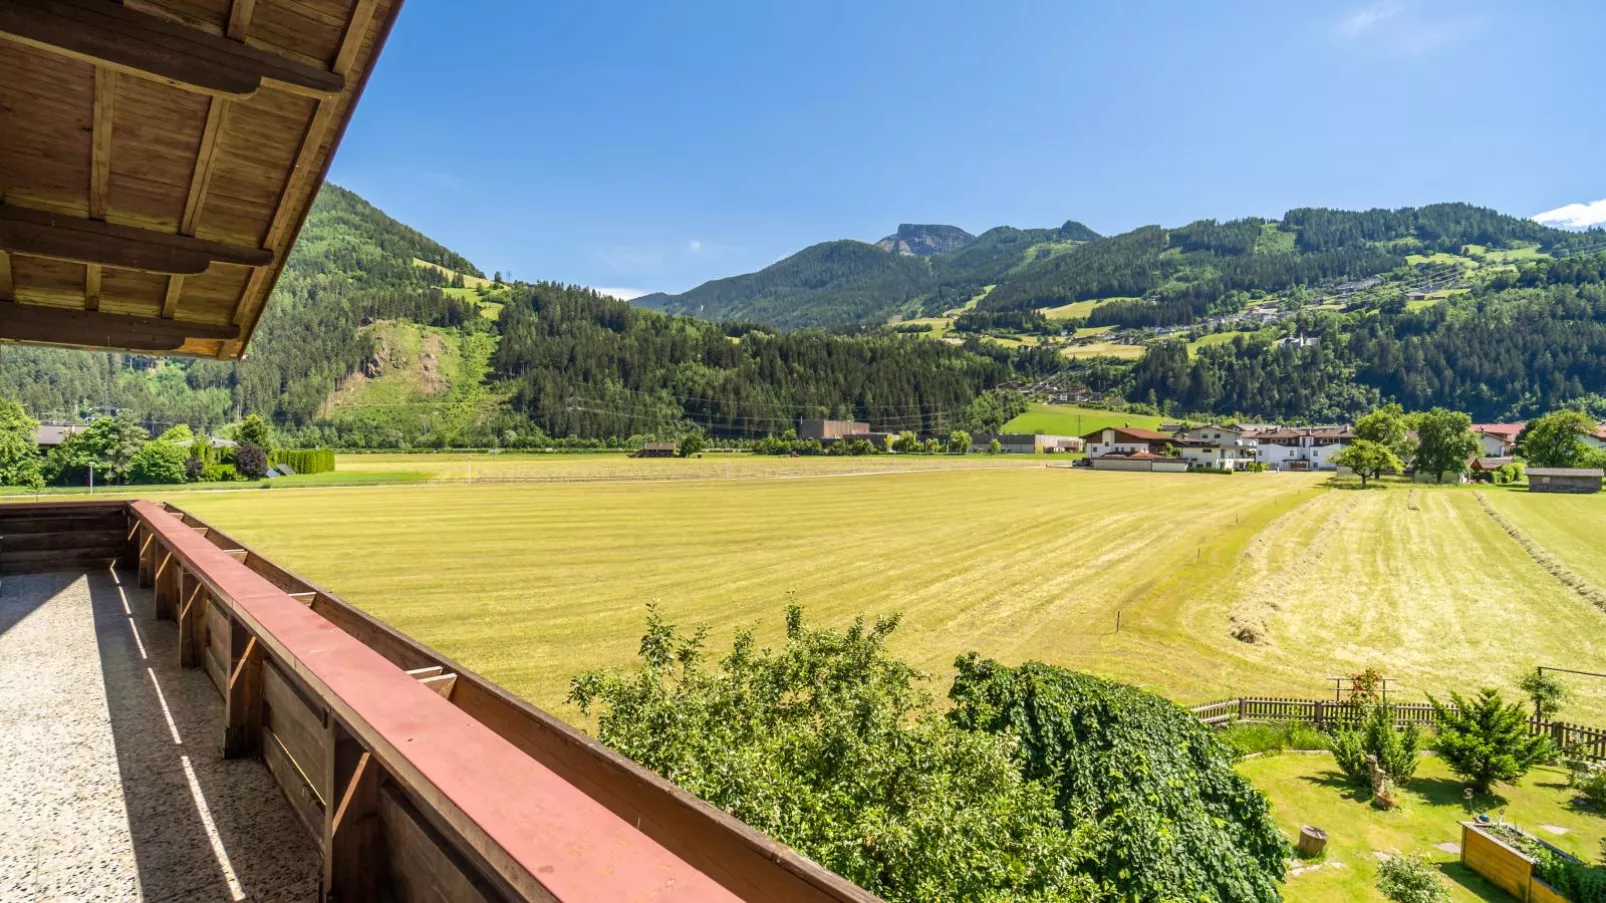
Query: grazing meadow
(544,566)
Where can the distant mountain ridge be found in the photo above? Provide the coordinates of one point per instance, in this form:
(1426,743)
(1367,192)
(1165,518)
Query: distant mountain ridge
(921,240)
(848,282)
(1150,276)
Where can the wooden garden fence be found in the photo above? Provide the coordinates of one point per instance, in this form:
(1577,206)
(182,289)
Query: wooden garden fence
(1579,740)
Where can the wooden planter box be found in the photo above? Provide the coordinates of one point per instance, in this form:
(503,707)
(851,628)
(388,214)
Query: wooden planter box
(1504,866)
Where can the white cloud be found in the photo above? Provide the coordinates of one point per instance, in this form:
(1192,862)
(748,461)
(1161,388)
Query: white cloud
(1398,26)
(1364,20)
(623,294)
(1575,216)
(695,246)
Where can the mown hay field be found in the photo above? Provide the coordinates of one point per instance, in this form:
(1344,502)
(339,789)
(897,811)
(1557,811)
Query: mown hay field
(533,583)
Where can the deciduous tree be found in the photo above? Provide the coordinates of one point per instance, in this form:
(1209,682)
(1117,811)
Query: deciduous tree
(1368,459)
(1445,442)
(1556,439)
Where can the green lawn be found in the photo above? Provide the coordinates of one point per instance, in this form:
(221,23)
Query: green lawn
(1070,420)
(1104,349)
(1215,338)
(1309,790)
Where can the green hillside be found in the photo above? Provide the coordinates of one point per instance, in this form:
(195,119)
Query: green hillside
(1162,277)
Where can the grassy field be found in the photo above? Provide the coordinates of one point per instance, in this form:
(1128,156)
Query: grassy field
(1309,790)
(534,582)
(1104,349)
(1070,420)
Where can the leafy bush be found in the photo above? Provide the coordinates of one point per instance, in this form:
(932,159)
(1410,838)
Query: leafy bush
(19,456)
(1396,750)
(828,745)
(1175,820)
(691,444)
(253,430)
(1590,782)
(958,442)
(219,473)
(158,461)
(1486,740)
(1247,738)
(1411,879)
(251,461)
(194,469)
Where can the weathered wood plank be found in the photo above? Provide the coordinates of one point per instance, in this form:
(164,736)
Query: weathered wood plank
(131,41)
(300,729)
(422,866)
(35,323)
(74,239)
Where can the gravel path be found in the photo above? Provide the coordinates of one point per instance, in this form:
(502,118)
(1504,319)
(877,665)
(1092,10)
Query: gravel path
(112,783)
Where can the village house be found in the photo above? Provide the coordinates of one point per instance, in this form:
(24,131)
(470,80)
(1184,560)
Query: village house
(1497,440)
(1300,448)
(1579,480)
(1124,440)
(830,430)
(1214,447)
(1597,439)
(51,435)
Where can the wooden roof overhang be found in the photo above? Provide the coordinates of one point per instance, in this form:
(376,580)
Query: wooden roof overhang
(158,157)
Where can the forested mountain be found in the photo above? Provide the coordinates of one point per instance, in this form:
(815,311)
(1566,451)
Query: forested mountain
(1526,342)
(847,282)
(922,240)
(1151,276)
(363,347)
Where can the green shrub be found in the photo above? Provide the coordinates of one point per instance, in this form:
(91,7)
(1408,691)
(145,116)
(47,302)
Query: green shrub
(1547,692)
(219,473)
(1590,782)
(306,460)
(251,461)
(1375,735)
(1174,820)
(1486,740)
(828,744)
(158,461)
(1411,879)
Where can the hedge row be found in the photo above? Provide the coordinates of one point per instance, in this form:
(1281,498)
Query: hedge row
(306,460)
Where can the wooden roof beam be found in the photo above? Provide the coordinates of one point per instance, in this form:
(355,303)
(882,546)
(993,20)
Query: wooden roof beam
(61,326)
(39,233)
(110,34)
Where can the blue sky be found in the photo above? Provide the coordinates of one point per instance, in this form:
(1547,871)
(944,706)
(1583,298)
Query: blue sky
(652,145)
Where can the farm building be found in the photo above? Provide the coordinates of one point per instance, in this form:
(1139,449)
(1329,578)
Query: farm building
(1124,440)
(1497,440)
(1578,480)
(657,450)
(831,430)
(51,435)
(1482,469)
(1026,443)
(1144,462)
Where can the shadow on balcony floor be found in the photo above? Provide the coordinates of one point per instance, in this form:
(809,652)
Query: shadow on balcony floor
(112,781)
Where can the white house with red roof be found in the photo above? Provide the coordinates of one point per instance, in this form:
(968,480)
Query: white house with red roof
(1497,440)
(1124,440)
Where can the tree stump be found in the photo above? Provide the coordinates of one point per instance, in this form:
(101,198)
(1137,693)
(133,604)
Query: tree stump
(1312,841)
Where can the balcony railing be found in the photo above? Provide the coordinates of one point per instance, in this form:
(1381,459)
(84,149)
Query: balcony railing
(416,778)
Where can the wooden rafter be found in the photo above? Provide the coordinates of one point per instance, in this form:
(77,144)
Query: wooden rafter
(55,325)
(100,170)
(138,43)
(201,174)
(42,234)
(284,221)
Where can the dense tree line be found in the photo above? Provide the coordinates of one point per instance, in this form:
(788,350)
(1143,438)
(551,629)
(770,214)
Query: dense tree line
(583,364)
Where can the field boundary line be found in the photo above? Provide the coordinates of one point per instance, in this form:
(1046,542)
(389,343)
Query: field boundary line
(1541,556)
